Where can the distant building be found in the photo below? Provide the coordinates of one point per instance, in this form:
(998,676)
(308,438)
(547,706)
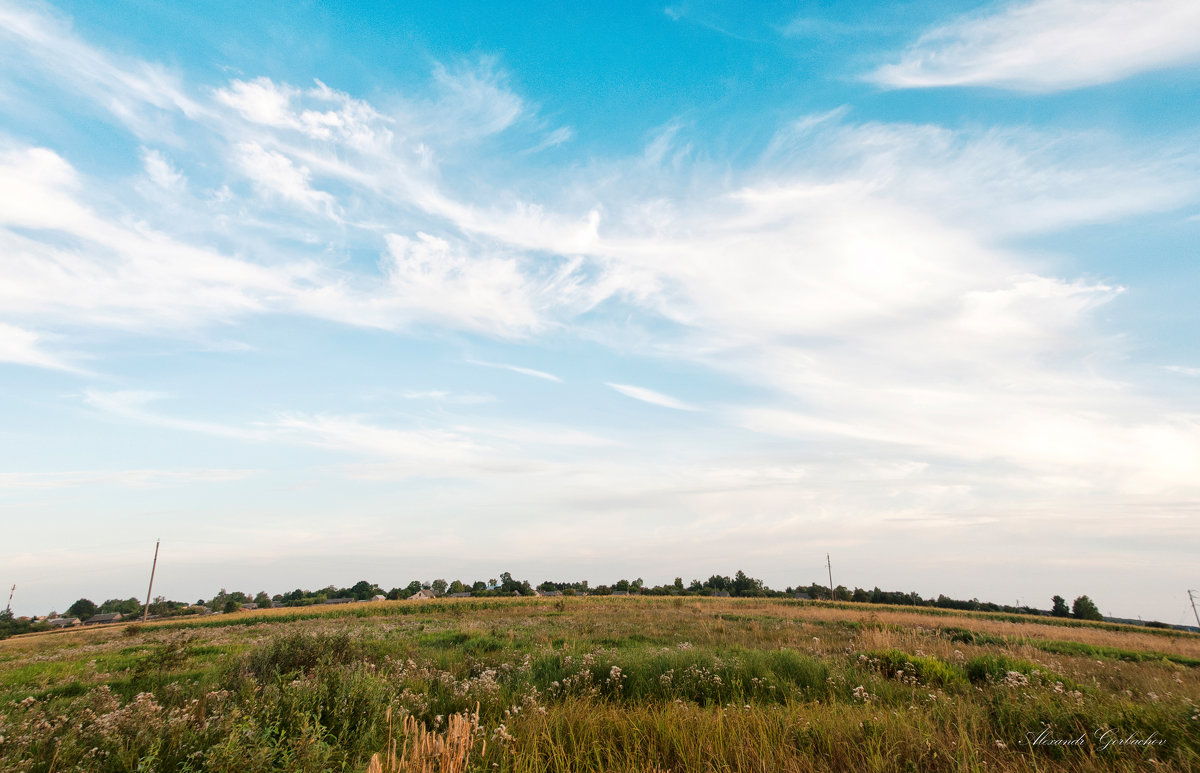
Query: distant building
(464,595)
(424,593)
(379,597)
(63,622)
(106,617)
(249,605)
(340,601)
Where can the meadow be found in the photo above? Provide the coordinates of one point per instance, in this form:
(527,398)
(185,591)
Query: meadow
(602,684)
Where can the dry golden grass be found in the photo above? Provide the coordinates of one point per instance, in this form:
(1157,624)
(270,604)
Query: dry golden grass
(420,750)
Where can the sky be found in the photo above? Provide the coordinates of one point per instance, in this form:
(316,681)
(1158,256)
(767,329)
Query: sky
(317,293)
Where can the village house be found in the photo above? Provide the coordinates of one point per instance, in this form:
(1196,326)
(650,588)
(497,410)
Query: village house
(63,622)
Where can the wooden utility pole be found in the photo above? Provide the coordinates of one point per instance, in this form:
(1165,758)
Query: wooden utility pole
(153,566)
(1190,598)
(829,566)
(14,590)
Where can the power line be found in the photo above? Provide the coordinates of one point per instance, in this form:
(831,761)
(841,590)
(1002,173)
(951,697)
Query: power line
(1193,600)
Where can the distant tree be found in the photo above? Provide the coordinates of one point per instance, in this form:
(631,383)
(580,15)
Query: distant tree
(1060,607)
(679,584)
(695,586)
(126,607)
(362,590)
(479,586)
(439,586)
(492,583)
(10,626)
(508,585)
(262,599)
(412,588)
(1084,608)
(621,585)
(457,587)
(717,582)
(83,609)
(745,585)
(860,595)
(231,605)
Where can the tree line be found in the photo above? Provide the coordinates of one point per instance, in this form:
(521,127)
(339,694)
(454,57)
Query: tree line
(740,585)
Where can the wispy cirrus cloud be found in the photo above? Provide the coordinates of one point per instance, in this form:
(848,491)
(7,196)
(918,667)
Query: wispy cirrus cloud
(1051,45)
(532,372)
(654,398)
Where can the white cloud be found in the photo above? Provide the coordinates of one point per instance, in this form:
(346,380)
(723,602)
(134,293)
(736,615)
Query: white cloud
(161,172)
(275,174)
(1051,45)
(139,94)
(518,369)
(1182,370)
(132,406)
(422,448)
(652,397)
(475,100)
(320,113)
(994,182)
(559,136)
(429,278)
(67,263)
(260,101)
(23,347)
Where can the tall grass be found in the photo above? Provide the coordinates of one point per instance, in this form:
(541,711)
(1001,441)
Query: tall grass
(593,685)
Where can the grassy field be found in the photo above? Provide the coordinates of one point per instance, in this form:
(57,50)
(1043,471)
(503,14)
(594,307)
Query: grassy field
(602,684)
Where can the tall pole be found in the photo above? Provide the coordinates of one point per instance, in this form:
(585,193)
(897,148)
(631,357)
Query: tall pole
(153,566)
(1193,600)
(829,566)
(14,590)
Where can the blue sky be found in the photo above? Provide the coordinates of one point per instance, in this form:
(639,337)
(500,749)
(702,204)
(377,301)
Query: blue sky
(379,291)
